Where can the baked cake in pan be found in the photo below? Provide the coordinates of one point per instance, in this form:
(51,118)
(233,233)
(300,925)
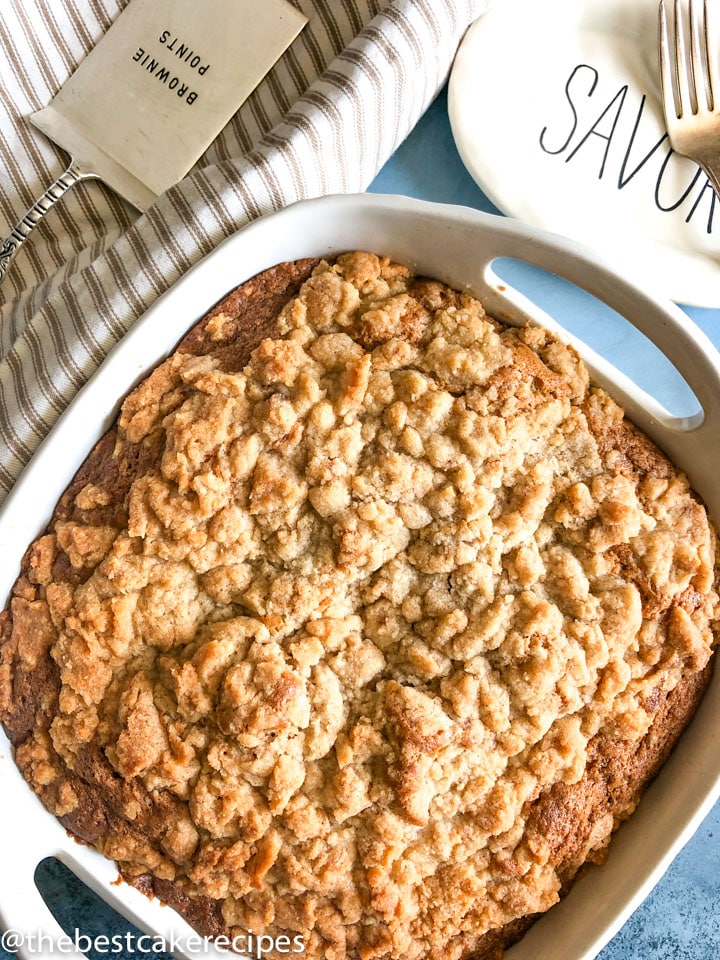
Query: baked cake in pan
(366,624)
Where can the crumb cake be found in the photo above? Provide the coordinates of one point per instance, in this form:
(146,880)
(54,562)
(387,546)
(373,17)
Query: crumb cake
(366,624)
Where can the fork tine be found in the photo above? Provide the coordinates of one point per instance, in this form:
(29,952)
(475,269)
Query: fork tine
(684,68)
(697,59)
(700,54)
(667,76)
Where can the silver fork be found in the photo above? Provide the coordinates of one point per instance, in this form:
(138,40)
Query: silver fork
(691,82)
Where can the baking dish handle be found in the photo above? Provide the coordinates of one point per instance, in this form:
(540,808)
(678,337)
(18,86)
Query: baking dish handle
(667,326)
(685,439)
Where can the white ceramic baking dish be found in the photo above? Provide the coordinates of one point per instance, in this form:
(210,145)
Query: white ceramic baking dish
(459,246)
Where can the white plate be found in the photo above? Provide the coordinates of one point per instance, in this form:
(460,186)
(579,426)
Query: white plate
(459,246)
(555,109)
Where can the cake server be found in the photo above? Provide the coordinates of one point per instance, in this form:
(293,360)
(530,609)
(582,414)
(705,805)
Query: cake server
(154,93)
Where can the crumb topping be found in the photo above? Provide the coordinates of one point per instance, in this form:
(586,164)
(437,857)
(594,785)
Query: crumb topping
(378,591)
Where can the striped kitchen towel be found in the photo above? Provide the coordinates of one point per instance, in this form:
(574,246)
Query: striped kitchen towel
(323,121)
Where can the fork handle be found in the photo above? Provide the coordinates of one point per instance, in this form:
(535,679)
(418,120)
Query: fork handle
(20,233)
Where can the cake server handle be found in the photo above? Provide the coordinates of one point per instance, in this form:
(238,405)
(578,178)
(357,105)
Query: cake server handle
(9,247)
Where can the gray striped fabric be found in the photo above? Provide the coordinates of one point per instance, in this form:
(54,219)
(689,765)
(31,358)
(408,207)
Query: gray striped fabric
(323,121)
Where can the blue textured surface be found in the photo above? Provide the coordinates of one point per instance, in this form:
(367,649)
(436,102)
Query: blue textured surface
(680,920)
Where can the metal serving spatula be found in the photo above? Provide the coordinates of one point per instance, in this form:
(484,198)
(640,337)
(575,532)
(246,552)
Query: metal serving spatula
(153,94)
